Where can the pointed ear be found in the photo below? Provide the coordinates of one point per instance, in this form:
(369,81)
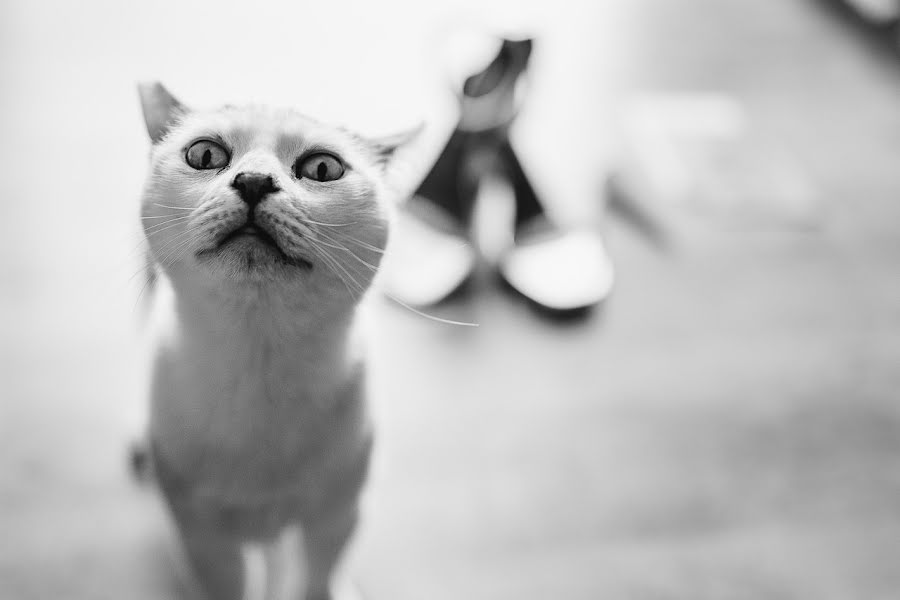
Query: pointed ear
(386,147)
(160,109)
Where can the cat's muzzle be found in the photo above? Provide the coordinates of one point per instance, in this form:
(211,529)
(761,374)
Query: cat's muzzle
(252,238)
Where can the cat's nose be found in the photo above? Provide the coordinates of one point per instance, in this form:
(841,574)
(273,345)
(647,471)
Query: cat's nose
(253,187)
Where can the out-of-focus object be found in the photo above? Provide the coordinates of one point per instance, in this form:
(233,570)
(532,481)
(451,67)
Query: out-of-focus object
(881,19)
(433,253)
(880,12)
(561,271)
(430,257)
(694,162)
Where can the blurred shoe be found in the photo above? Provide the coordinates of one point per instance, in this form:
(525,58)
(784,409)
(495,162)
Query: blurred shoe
(561,271)
(878,12)
(429,256)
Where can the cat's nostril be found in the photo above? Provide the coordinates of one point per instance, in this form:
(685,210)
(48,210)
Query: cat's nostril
(253,187)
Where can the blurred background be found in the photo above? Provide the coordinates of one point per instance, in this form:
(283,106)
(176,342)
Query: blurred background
(725,426)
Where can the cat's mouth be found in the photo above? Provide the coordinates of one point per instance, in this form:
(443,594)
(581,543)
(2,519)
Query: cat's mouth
(249,230)
(253,235)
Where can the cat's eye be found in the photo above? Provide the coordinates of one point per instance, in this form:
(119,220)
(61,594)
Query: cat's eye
(319,167)
(206,154)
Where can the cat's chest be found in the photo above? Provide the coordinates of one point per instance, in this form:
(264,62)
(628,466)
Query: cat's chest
(253,421)
(237,397)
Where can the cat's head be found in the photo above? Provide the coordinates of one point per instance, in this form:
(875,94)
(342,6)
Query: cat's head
(255,196)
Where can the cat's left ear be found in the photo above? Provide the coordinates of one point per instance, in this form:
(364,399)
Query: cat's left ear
(386,147)
(161,109)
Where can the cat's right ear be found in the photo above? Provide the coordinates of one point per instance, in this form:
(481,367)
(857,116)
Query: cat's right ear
(161,109)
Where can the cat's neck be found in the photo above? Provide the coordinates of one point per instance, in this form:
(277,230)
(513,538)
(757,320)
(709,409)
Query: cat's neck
(244,366)
(257,328)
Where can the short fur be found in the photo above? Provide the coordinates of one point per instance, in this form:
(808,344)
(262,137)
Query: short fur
(258,427)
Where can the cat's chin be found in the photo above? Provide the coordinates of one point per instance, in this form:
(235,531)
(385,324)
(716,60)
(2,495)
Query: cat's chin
(252,253)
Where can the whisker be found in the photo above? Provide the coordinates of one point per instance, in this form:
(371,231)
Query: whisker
(416,311)
(159,226)
(150,234)
(345,249)
(178,253)
(430,317)
(338,264)
(145,217)
(180,245)
(358,242)
(373,269)
(173,207)
(143,289)
(140,246)
(330,262)
(309,221)
(173,253)
(136,273)
(169,219)
(177,241)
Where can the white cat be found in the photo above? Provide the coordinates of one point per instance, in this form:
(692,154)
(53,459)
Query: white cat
(268,227)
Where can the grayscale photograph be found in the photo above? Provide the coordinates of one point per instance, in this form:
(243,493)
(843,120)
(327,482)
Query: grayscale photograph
(452,300)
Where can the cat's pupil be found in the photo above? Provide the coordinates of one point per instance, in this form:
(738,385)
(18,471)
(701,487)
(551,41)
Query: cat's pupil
(322,170)
(207,157)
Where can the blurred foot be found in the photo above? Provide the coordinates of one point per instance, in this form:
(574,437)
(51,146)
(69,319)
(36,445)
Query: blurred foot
(429,256)
(559,270)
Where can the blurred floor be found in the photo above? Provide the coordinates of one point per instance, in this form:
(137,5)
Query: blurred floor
(727,427)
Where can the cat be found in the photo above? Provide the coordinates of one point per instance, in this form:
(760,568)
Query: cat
(267,228)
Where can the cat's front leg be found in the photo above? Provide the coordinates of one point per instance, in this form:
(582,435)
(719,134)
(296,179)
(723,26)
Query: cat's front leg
(324,540)
(214,552)
(216,559)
